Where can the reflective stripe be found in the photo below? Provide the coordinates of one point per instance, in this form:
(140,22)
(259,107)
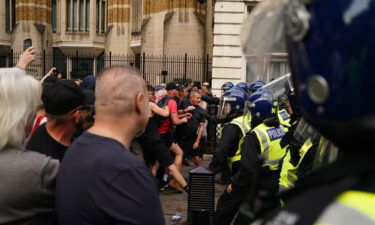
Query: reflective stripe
(220,133)
(235,158)
(243,123)
(305,147)
(264,143)
(339,214)
(269,140)
(272,162)
(288,174)
(361,201)
(284,181)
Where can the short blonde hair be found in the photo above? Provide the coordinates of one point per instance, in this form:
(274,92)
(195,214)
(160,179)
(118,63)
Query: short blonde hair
(20,95)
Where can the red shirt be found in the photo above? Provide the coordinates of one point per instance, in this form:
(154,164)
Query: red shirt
(167,123)
(37,123)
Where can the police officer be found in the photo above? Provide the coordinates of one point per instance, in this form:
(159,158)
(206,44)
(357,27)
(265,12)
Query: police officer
(261,154)
(244,86)
(301,142)
(283,114)
(232,108)
(279,87)
(226,86)
(331,50)
(298,161)
(233,133)
(255,85)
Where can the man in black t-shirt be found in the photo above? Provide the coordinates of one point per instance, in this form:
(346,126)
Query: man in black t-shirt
(62,102)
(189,135)
(100,181)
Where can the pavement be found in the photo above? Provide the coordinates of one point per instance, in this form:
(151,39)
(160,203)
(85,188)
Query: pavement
(173,203)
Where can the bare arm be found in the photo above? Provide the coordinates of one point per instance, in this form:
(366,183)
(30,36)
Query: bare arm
(188,109)
(187,115)
(199,137)
(164,112)
(176,120)
(47,75)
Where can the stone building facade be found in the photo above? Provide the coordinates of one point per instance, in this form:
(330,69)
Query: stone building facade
(93,27)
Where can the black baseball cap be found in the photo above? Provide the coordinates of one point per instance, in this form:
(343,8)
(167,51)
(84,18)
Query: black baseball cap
(51,79)
(171,86)
(89,97)
(62,97)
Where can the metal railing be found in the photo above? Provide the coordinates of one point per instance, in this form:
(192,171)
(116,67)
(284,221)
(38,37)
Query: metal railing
(155,69)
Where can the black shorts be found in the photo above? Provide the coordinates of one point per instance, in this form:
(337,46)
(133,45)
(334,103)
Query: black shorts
(168,139)
(154,150)
(186,143)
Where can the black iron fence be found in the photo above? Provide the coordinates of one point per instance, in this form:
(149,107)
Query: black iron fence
(155,69)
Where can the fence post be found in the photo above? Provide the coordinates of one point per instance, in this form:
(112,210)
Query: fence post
(77,64)
(144,66)
(206,74)
(110,58)
(137,61)
(11,58)
(44,62)
(185,68)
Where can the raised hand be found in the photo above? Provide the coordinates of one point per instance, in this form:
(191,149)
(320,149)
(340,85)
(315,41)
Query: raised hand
(26,58)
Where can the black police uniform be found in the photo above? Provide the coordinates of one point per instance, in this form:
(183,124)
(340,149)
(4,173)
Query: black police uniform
(250,171)
(227,147)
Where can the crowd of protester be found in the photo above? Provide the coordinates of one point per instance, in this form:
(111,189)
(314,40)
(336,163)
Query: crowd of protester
(54,172)
(101,150)
(68,148)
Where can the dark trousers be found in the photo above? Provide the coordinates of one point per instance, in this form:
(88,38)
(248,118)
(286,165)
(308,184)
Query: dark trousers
(227,207)
(225,173)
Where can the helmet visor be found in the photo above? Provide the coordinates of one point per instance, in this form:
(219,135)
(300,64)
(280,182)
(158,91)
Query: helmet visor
(248,108)
(225,107)
(280,86)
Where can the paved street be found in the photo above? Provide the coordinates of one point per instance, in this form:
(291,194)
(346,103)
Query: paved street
(172,203)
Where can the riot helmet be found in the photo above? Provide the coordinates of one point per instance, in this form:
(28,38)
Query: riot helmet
(255,85)
(263,108)
(226,86)
(243,86)
(249,104)
(331,52)
(232,103)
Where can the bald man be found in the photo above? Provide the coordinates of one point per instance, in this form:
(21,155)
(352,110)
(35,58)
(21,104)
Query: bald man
(100,181)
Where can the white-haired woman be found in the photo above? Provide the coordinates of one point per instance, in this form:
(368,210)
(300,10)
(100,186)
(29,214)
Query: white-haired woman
(26,178)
